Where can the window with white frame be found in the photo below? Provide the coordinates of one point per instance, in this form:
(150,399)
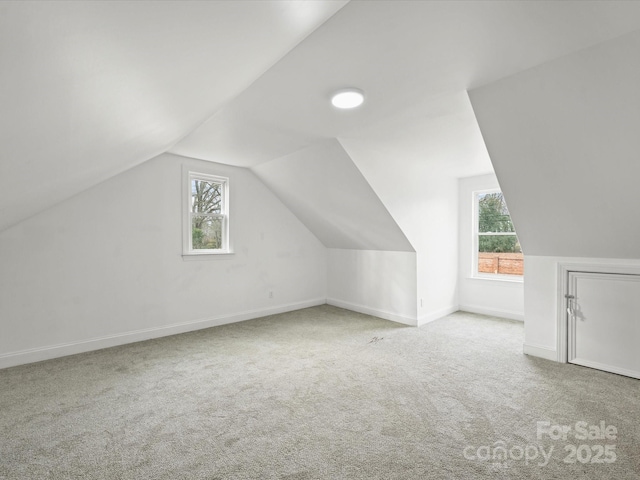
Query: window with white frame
(206,229)
(497,250)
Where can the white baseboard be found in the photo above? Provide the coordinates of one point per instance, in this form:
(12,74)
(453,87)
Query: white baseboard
(540,351)
(494,312)
(394,317)
(443,312)
(54,351)
(607,368)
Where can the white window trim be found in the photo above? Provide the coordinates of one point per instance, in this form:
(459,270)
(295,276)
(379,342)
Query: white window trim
(187,247)
(474,243)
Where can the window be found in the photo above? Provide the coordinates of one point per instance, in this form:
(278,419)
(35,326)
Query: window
(206,229)
(497,251)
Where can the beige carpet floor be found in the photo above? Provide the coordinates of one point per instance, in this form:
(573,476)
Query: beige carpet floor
(321,393)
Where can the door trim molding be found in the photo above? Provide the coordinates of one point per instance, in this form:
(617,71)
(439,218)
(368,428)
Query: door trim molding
(564,268)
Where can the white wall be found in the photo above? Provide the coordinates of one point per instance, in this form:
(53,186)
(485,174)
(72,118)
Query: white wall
(326,191)
(502,298)
(563,138)
(371,265)
(373,282)
(423,200)
(434,229)
(105,267)
(543,294)
(412,288)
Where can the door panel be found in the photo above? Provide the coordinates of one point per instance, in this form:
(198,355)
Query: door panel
(604,322)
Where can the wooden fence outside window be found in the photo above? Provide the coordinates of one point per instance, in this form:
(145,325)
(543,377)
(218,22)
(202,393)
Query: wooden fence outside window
(501,263)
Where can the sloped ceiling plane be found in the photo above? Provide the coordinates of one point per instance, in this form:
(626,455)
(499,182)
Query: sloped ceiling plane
(91,89)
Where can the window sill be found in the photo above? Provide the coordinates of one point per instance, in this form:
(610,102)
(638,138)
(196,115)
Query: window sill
(206,255)
(498,278)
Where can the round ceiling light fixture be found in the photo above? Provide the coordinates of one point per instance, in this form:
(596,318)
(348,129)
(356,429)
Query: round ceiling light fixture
(347,98)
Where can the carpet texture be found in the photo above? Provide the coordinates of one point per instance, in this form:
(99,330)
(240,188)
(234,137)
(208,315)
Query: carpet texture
(319,393)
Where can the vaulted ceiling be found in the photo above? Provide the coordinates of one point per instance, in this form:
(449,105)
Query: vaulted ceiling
(90,89)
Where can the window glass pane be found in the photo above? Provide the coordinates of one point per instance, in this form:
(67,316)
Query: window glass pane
(206,197)
(206,232)
(493,215)
(500,254)
(499,243)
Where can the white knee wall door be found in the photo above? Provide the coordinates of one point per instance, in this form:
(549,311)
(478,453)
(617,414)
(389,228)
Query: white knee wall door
(603,320)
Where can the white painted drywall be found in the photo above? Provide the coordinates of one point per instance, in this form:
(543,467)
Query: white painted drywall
(403,54)
(423,200)
(563,139)
(105,267)
(501,298)
(372,267)
(326,191)
(374,282)
(543,293)
(91,89)
(407,287)
(435,228)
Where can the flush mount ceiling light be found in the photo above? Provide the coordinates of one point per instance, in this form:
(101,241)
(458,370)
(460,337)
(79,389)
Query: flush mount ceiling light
(347,98)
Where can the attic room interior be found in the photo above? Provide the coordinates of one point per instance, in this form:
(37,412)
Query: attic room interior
(210,270)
